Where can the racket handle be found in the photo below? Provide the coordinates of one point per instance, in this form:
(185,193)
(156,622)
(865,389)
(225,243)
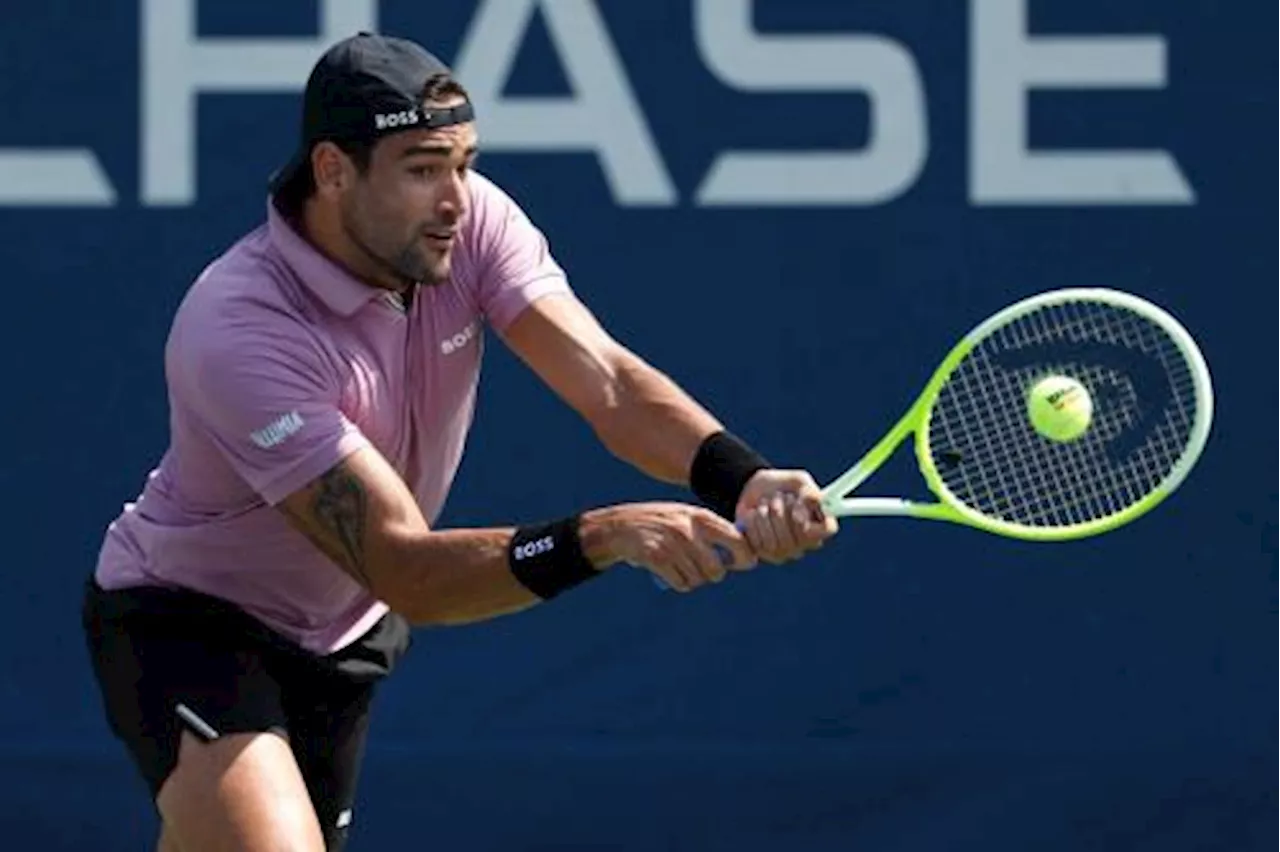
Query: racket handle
(726,559)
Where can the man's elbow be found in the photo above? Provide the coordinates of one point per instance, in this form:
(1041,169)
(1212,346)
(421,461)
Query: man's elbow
(424,606)
(443,612)
(413,600)
(428,595)
(409,585)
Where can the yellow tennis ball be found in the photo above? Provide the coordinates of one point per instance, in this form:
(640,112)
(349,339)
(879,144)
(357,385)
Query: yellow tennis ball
(1059,408)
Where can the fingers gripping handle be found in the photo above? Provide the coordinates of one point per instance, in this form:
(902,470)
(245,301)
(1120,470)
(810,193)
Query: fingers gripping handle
(726,559)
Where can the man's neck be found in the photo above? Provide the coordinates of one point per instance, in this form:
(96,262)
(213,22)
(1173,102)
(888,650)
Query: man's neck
(325,234)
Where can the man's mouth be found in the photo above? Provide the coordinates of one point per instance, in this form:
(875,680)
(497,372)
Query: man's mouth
(440,238)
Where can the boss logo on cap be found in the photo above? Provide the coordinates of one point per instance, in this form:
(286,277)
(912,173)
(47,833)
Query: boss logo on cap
(388,120)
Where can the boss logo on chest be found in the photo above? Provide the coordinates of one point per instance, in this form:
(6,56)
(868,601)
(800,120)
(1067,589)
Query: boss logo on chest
(455,342)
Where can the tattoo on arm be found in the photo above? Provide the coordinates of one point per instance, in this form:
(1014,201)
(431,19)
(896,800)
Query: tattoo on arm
(336,522)
(340,506)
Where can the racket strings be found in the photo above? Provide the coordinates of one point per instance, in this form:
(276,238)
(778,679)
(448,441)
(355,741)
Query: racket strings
(1144,409)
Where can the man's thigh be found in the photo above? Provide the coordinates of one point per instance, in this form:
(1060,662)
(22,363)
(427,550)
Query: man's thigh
(183,676)
(240,792)
(190,694)
(169,662)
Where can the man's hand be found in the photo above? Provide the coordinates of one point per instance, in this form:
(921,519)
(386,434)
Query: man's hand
(680,543)
(781,511)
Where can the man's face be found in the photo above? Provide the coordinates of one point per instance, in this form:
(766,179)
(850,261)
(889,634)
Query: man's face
(405,211)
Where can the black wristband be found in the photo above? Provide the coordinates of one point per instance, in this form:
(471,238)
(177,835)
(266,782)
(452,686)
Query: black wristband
(547,558)
(720,470)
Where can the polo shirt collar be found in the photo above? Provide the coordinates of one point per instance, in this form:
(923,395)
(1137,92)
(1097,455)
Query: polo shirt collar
(338,289)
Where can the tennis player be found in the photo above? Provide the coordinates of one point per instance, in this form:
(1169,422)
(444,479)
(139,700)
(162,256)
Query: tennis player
(322,375)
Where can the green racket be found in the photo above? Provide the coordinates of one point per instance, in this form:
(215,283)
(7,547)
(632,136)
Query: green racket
(1065,415)
(1121,400)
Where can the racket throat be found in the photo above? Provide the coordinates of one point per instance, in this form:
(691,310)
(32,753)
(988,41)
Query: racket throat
(874,458)
(890,507)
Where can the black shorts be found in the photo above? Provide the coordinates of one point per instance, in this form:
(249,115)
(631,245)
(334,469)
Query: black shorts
(169,660)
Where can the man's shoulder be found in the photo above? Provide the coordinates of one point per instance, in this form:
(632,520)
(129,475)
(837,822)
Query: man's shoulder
(490,202)
(245,295)
(248,281)
(494,210)
(482,187)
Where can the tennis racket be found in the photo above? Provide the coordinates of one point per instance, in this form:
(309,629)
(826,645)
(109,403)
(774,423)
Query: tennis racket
(987,465)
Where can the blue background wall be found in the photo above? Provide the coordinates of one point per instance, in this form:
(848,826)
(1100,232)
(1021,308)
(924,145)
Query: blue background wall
(910,688)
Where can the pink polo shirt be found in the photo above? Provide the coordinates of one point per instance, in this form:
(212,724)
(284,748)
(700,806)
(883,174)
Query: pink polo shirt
(279,364)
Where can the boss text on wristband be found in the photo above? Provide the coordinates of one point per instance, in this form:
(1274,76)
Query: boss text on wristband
(547,558)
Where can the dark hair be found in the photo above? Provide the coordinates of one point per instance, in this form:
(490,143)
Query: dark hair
(441,86)
(290,197)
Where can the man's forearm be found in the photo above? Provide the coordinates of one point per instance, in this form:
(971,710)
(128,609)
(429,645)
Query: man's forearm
(460,576)
(450,577)
(652,423)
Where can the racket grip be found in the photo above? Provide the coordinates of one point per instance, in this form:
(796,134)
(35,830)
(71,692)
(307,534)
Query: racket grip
(726,559)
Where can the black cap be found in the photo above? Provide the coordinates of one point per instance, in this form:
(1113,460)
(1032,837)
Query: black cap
(365,87)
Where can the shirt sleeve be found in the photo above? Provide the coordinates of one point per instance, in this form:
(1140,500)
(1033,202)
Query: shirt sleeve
(267,396)
(515,265)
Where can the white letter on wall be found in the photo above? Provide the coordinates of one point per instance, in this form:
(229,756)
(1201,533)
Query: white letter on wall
(177,65)
(54,177)
(898,142)
(600,116)
(1006,65)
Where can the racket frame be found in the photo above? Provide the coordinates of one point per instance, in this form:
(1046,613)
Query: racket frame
(835,496)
